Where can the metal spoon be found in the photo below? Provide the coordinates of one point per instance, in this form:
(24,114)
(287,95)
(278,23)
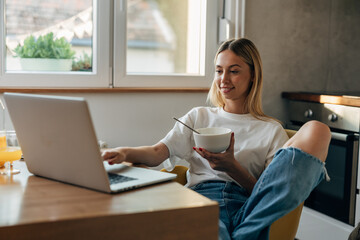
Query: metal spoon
(186,125)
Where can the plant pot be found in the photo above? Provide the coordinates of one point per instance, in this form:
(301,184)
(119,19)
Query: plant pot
(45,64)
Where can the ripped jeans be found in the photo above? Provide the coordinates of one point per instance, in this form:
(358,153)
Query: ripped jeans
(284,184)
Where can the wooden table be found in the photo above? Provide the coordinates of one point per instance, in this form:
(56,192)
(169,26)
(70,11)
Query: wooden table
(37,208)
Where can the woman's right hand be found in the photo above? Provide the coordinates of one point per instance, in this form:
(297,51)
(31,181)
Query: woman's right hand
(150,156)
(114,155)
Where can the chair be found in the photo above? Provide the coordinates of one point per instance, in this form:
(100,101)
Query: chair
(284,228)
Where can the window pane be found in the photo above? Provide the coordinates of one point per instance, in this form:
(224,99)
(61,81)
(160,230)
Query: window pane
(49,35)
(164,36)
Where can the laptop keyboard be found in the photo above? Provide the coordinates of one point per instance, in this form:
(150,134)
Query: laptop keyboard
(116,178)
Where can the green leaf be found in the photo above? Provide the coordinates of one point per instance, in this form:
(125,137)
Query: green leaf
(45,47)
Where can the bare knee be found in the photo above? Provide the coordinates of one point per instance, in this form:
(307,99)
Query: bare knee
(313,137)
(317,130)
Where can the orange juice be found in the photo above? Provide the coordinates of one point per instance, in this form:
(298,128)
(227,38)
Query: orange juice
(2,142)
(9,154)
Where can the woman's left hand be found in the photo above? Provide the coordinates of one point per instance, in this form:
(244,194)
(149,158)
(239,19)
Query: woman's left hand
(223,161)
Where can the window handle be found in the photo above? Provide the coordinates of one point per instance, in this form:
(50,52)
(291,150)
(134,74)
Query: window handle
(240,19)
(122,5)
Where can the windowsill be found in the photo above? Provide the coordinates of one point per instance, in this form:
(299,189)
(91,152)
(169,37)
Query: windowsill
(103,90)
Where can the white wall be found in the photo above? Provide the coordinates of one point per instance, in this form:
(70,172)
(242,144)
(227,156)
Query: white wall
(135,119)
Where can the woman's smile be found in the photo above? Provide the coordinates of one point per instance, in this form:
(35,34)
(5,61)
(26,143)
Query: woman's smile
(226,89)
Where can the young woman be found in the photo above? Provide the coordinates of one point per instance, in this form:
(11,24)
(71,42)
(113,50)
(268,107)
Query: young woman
(262,175)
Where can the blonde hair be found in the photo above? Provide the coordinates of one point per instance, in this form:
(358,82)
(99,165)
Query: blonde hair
(245,49)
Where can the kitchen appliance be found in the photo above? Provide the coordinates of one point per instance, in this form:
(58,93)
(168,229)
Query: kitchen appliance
(336,198)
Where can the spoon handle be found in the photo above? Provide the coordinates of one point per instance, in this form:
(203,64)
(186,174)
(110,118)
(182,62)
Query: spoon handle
(186,125)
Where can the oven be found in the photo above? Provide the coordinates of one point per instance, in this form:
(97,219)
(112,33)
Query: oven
(336,198)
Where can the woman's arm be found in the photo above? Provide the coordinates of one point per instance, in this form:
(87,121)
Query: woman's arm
(226,162)
(242,176)
(149,155)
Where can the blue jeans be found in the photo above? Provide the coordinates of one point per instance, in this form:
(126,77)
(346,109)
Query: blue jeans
(284,184)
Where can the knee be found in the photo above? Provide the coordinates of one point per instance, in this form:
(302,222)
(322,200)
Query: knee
(314,138)
(318,131)
(317,125)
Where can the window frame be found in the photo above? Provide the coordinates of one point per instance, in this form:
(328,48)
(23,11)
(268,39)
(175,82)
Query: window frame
(100,77)
(122,79)
(109,50)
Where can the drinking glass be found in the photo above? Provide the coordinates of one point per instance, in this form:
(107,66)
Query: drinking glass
(9,151)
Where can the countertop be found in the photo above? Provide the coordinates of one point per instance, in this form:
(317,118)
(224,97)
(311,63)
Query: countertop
(348,99)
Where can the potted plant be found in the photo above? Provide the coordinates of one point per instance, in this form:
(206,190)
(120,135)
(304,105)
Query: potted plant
(83,63)
(45,54)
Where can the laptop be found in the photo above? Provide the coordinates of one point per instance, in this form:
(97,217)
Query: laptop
(58,142)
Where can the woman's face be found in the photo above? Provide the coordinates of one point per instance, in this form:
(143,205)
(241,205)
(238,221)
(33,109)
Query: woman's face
(232,76)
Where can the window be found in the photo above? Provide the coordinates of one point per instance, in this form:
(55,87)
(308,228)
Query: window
(38,32)
(121,43)
(48,30)
(164,43)
(161,35)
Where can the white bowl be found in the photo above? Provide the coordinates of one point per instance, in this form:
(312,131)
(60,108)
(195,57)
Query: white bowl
(215,139)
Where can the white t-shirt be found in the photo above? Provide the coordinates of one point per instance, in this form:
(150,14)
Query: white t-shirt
(256,142)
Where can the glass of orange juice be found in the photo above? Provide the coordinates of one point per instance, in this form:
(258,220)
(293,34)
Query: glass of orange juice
(3,144)
(9,151)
